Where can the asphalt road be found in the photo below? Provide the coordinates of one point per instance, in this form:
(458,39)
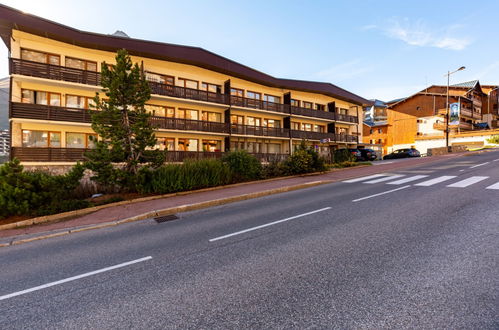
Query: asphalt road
(416,248)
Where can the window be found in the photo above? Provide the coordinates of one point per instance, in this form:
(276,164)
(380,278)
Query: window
(41,57)
(307,127)
(211,87)
(212,145)
(81,64)
(319,128)
(274,148)
(341,130)
(295,126)
(343,111)
(253,95)
(160,111)
(236,120)
(371,131)
(188,83)
(164,143)
(80,102)
(211,116)
(237,92)
(80,140)
(272,98)
(253,121)
(188,114)
(272,123)
(320,107)
(307,105)
(39,97)
(41,139)
(295,103)
(379,130)
(160,78)
(187,144)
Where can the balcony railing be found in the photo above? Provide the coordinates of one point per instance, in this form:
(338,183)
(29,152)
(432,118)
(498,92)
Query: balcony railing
(312,113)
(346,138)
(258,104)
(44,112)
(259,130)
(462,125)
(307,135)
(57,72)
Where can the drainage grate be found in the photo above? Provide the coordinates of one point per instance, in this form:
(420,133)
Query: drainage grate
(166,218)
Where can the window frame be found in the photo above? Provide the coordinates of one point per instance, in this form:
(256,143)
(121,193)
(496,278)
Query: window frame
(185,83)
(87,98)
(306,103)
(164,77)
(41,52)
(218,88)
(81,59)
(48,97)
(254,93)
(87,135)
(238,90)
(48,137)
(265,96)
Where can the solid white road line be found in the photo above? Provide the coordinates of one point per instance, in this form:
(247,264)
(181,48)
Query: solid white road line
(387,178)
(480,164)
(383,163)
(435,181)
(496,160)
(409,179)
(383,193)
(495,186)
(268,224)
(467,182)
(69,279)
(365,178)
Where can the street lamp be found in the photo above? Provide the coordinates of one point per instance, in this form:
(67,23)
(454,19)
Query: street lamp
(447,106)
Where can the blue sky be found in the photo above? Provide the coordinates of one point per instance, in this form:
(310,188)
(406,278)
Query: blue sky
(377,49)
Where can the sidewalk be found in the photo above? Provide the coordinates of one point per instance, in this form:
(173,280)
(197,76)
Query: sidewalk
(243,191)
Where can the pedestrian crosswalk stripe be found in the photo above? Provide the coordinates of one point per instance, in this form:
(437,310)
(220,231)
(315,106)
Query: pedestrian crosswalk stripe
(494,186)
(386,178)
(409,179)
(435,181)
(365,178)
(468,182)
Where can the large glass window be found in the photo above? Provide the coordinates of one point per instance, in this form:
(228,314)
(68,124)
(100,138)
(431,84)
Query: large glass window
(80,140)
(188,114)
(39,97)
(41,57)
(39,139)
(80,102)
(307,105)
(237,120)
(212,145)
(160,78)
(307,127)
(187,144)
(81,64)
(254,95)
(164,143)
(295,103)
(160,111)
(211,116)
(274,148)
(188,83)
(272,98)
(237,92)
(272,123)
(296,126)
(320,107)
(211,87)
(253,121)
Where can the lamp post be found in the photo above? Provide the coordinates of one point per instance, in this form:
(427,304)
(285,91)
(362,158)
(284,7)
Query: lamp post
(447,106)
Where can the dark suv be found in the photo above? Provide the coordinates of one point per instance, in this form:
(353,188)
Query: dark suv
(403,153)
(368,154)
(356,153)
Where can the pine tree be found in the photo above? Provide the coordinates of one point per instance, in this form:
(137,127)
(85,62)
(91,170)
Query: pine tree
(123,125)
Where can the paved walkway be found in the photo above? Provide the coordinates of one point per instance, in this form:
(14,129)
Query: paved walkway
(114,213)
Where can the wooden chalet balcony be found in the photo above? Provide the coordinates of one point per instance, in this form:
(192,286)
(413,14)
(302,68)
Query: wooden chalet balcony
(308,135)
(462,125)
(44,112)
(258,104)
(346,138)
(187,93)
(312,113)
(259,130)
(347,118)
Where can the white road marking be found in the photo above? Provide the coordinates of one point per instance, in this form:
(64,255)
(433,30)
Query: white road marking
(69,279)
(268,224)
(383,193)
(461,170)
(495,186)
(365,178)
(467,182)
(496,160)
(409,179)
(387,178)
(382,163)
(435,181)
(480,164)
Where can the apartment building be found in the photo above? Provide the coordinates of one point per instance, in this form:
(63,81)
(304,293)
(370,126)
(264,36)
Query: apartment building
(202,104)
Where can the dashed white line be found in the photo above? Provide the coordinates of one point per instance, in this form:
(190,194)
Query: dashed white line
(268,224)
(495,186)
(387,178)
(409,179)
(496,160)
(364,178)
(435,181)
(69,279)
(480,165)
(379,194)
(468,182)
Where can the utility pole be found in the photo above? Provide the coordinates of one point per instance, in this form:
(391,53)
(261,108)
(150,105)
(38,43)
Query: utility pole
(447,106)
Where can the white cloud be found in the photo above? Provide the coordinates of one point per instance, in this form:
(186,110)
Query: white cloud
(344,71)
(419,34)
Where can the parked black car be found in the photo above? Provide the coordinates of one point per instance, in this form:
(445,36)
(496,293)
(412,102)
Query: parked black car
(368,154)
(356,153)
(403,153)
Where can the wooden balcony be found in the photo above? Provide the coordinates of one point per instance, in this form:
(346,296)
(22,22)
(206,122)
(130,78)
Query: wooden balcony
(259,131)
(347,118)
(44,112)
(346,138)
(308,135)
(187,93)
(462,125)
(312,113)
(258,104)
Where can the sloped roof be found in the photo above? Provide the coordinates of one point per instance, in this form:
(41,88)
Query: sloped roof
(11,18)
(468,84)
